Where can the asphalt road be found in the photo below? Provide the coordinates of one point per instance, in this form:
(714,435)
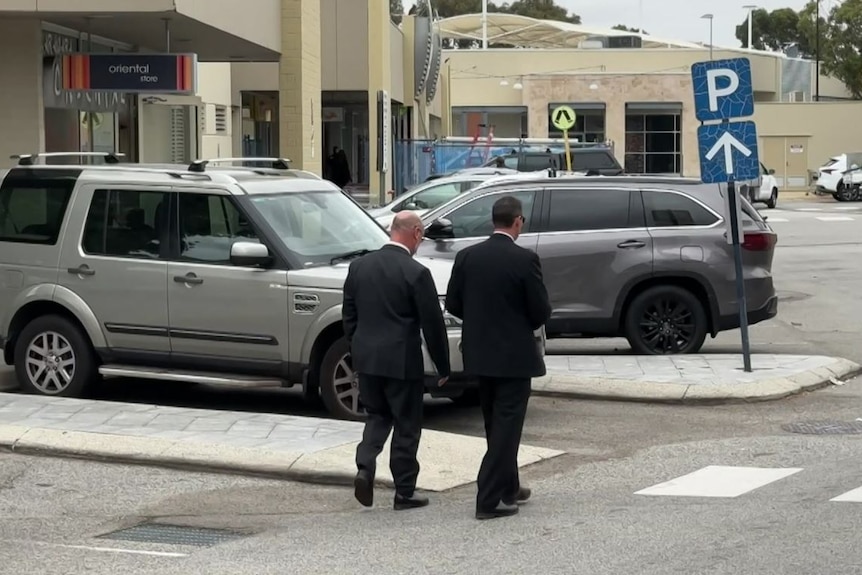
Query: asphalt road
(585,517)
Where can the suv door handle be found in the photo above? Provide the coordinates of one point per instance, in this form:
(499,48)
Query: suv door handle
(632,244)
(189,278)
(82,270)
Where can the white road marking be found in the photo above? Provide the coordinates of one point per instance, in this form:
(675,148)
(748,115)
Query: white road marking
(770,220)
(854,496)
(810,210)
(102,549)
(835,219)
(847,207)
(719,481)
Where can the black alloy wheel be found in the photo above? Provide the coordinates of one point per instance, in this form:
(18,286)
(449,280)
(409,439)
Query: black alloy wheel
(665,320)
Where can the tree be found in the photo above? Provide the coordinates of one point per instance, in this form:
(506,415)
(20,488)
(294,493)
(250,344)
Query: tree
(625,28)
(541,10)
(396,10)
(841,43)
(774,30)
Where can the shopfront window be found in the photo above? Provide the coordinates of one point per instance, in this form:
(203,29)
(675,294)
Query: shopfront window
(508,122)
(654,138)
(589,122)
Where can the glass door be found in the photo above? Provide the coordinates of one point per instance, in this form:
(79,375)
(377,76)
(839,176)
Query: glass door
(169,128)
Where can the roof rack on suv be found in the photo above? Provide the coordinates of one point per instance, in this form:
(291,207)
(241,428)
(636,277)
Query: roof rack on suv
(30,159)
(275,163)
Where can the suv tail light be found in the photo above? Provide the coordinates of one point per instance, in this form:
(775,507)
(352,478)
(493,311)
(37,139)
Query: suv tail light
(759,241)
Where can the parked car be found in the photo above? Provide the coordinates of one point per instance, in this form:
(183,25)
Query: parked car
(830,176)
(598,160)
(852,183)
(635,256)
(762,190)
(211,275)
(429,195)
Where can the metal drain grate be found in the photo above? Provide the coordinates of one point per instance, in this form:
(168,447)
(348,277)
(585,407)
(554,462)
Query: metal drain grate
(825,427)
(173,535)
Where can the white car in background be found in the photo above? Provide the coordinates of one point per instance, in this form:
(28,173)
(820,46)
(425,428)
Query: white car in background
(764,189)
(429,195)
(830,176)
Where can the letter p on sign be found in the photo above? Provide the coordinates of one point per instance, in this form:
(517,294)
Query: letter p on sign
(715,92)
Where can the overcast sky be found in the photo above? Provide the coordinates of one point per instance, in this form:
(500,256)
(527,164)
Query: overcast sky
(675,19)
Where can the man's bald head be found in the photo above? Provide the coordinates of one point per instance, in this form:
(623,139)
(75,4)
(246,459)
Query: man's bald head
(407,229)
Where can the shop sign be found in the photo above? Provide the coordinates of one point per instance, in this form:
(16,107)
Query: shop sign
(55,96)
(130,73)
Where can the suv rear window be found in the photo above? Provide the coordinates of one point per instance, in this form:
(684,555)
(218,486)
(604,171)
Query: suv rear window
(671,209)
(31,211)
(536,162)
(583,161)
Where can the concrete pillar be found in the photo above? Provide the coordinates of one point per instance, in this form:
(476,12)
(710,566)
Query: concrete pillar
(22,113)
(379,78)
(615,127)
(299,85)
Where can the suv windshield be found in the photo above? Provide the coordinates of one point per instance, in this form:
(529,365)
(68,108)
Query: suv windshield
(317,227)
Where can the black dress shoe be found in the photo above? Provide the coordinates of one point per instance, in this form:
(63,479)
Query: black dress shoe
(522,496)
(413,502)
(502,510)
(363,488)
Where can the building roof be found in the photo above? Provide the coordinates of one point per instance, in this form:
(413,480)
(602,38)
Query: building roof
(528,32)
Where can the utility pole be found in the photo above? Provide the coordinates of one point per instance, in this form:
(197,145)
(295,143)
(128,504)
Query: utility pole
(817,54)
(750,8)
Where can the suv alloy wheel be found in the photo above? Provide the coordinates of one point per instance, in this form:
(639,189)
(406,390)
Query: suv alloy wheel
(53,357)
(665,320)
(339,384)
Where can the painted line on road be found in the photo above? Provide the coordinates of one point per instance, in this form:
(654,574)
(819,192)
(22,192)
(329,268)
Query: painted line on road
(770,220)
(847,207)
(100,549)
(853,496)
(835,219)
(809,210)
(719,481)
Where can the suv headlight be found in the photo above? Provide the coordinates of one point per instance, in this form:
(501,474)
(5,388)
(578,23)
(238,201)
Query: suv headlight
(451,321)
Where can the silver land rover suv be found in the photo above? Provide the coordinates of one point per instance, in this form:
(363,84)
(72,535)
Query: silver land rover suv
(209,274)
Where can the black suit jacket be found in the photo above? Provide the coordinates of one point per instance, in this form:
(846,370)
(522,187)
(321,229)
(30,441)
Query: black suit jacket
(388,298)
(497,290)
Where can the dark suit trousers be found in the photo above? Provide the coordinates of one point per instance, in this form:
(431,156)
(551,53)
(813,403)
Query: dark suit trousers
(391,405)
(504,407)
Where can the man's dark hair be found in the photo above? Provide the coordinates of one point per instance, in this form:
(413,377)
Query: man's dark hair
(505,211)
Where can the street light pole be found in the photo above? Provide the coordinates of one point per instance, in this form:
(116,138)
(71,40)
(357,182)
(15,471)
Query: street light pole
(484,24)
(710,18)
(750,8)
(817,54)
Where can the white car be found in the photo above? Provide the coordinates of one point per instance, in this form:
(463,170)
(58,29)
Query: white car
(429,195)
(851,184)
(764,189)
(830,176)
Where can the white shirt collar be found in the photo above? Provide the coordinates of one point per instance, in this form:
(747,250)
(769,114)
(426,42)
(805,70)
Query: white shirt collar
(504,234)
(402,246)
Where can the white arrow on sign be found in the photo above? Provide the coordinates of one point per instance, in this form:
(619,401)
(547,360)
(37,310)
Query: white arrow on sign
(727,142)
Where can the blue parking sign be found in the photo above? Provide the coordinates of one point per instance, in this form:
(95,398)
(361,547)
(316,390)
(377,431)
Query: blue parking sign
(728,152)
(722,89)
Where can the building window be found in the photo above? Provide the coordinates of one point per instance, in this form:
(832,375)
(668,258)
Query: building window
(653,138)
(589,122)
(507,122)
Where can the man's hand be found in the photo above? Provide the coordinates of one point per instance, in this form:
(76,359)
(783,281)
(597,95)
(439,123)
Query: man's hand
(442,381)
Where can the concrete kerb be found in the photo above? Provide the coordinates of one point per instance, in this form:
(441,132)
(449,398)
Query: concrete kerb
(449,465)
(585,387)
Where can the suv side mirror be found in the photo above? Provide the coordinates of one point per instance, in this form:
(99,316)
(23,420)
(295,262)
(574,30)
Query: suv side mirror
(249,254)
(409,206)
(771,172)
(440,229)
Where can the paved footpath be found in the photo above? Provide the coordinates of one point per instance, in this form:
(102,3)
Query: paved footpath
(300,448)
(689,378)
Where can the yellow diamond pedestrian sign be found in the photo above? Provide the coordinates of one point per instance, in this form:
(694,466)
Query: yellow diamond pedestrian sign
(563,118)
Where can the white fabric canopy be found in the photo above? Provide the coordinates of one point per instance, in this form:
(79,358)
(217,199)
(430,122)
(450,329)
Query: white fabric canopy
(526,32)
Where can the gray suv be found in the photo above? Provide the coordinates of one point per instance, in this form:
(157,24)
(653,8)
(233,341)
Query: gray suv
(214,275)
(646,258)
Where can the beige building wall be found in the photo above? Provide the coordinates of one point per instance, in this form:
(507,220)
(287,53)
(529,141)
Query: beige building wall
(344,45)
(300,84)
(615,91)
(21,112)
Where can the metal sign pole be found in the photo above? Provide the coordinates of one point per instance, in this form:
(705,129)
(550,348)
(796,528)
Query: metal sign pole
(568,151)
(740,279)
